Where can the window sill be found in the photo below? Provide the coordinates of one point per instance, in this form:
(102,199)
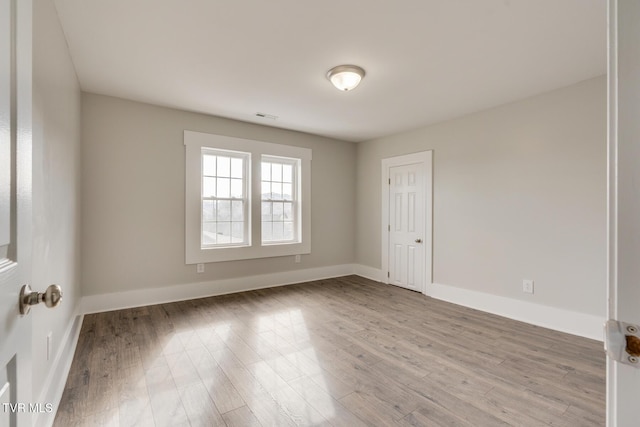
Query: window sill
(235,253)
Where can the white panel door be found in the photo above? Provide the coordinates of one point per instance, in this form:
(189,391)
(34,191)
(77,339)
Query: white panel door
(15,210)
(406,226)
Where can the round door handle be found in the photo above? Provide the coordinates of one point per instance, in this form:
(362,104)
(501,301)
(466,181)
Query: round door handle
(418,240)
(51,297)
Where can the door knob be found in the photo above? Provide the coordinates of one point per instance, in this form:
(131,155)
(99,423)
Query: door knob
(418,240)
(51,297)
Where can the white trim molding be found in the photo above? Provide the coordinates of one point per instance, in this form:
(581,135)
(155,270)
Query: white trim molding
(56,379)
(575,323)
(187,291)
(370,273)
(559,319)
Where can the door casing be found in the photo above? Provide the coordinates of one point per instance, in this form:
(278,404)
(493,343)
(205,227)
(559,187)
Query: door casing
(623,381)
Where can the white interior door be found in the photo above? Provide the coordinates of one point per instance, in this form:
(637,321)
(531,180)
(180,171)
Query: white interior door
(407,218)
(15,210)
(623,379)
(406,226)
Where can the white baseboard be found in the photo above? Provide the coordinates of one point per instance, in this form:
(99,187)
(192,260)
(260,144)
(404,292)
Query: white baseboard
(572,322)
(57,377)
(369,272)
(143,297)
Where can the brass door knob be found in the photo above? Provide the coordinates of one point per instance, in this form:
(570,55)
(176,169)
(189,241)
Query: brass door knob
(418,240)
(51,297)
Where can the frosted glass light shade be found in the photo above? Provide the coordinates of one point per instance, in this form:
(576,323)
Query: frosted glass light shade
(345,77)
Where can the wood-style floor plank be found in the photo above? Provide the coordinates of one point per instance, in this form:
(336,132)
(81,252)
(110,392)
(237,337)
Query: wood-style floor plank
(342,352)
(241,417)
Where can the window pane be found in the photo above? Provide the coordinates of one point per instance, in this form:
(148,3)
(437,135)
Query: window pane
(209,165)
(277,211)
(224,210)
(223,187)
(237,232)
(224,166)
(208,187)
(266,190)
(236,188)
(224,232)
(287,173)
(236,168)
(237,210)
(278,231)
(267,234)
(209,233)
(208,213)
(276,191)
(266,211)
(288,212)
(288,231)
(224,197)
(266,171)
(287,190)
(276,172)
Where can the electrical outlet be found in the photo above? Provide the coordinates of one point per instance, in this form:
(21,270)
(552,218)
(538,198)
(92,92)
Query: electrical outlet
(527,286)
(49,344)
(297,259)
(199,268)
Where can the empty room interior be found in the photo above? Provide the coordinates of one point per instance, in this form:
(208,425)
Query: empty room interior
(337,213)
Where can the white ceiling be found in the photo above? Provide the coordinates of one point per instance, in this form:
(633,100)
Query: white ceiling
(426,60)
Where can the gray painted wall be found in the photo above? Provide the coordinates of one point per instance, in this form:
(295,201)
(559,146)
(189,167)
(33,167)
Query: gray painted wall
(519,192)
(133,197)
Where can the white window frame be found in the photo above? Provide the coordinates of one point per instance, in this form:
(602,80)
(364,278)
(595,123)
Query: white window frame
(295,201)
(246,191)
(194,252)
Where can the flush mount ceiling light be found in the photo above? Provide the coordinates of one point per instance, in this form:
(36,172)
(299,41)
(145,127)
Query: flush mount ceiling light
(345,77)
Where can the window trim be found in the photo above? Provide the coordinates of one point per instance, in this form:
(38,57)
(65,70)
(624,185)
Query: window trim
(194,253)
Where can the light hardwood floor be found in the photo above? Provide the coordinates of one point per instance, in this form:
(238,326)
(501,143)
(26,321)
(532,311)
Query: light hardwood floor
(345,351)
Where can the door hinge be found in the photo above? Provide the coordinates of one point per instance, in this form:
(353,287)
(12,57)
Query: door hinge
(622,342)
(388,274)
(388,227)
(389,181)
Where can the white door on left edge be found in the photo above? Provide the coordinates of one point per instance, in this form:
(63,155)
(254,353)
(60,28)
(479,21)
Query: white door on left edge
(15,210)
(406,226)
(623,375)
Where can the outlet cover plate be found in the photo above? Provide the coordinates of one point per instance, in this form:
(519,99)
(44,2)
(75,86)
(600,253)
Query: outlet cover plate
(527,286)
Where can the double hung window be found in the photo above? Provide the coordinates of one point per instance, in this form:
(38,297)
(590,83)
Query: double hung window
(279,206)
(245,199)
(225,198)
